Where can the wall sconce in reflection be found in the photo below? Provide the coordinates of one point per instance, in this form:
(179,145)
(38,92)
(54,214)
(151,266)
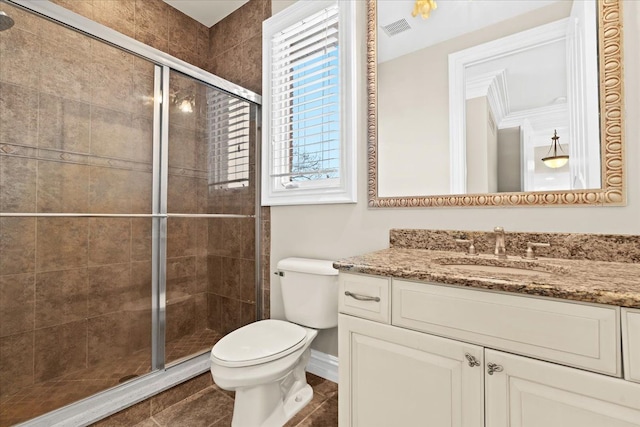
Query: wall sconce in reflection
(424,8)
(186,106)
(555,161)
(184,103)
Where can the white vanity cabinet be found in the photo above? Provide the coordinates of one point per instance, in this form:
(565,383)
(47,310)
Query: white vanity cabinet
(631,343)
(462,357)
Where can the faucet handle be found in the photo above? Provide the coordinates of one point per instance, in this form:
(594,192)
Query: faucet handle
(500,252)
(531,252)
(472,248)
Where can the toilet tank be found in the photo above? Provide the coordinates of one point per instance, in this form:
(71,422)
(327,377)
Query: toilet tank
(309,291)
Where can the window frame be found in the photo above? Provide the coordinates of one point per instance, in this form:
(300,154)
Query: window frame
(322,191)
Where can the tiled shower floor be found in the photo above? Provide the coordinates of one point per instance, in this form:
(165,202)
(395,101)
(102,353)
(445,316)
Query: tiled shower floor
(41,398)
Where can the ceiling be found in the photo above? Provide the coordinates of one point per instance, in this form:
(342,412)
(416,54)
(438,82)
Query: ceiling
(535,77)
(207,12)
(451,19)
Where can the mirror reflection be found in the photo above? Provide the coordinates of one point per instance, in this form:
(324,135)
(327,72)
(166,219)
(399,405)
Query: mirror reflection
(474,97)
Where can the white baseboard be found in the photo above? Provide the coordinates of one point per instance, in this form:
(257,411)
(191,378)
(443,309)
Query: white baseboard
(323,365)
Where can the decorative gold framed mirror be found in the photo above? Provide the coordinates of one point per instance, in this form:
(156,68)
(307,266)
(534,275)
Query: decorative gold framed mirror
(466,72)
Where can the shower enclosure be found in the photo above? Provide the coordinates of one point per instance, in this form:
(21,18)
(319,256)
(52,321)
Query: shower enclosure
(128,214)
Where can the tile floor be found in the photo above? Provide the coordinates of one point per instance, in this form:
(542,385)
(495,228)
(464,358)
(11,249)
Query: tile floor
(43,397)
(213,407)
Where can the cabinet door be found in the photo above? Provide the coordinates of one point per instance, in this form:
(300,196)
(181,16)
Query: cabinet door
(631,343)
(531,393)
(396,377)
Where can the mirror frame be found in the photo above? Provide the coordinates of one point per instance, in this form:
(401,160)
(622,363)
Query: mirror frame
(612,191)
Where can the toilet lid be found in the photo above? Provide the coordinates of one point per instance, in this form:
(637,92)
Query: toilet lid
(259,342)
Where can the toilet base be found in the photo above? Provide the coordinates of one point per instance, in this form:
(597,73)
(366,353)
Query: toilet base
(275,403)
(298,401)
(288,410)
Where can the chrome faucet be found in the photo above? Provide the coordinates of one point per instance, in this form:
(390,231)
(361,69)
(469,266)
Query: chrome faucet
(472,248)
(531,249)
(500,252)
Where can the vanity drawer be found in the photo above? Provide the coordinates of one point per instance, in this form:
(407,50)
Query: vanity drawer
(581,335)
(364,296)
(631,343)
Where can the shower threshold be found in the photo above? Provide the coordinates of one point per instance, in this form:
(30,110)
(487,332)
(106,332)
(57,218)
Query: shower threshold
(38,399)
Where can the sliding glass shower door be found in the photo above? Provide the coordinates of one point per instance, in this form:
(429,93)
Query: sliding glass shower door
(76,143)
(210,249)
(127,215)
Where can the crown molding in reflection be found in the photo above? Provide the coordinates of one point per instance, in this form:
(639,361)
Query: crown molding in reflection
(494,86)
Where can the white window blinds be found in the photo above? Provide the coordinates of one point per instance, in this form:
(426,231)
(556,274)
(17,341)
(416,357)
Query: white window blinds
(309,102)
(305,120)
(228,149)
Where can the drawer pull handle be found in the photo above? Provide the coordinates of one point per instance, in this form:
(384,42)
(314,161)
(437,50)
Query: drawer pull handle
(361,297)
(472,360)
(492,367)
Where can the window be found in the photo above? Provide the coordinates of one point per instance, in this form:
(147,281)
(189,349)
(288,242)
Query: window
(309,104)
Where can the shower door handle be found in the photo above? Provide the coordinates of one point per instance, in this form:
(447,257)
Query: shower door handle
(361,297)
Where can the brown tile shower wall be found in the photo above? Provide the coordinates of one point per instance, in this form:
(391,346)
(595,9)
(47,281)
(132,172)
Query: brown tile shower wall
(71,288)
(68,302)
(235,45)
(235,54)
(231,247)
(231,262)
(186,281)
(74,292)
(152,22)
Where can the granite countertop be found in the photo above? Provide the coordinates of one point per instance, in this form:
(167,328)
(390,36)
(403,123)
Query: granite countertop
(613,283)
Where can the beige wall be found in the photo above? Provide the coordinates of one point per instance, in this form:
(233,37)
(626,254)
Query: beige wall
(412,111)
(492,151)
(509,160)
(337,231)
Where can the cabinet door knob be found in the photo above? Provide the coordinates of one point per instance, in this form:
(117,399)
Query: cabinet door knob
(361,297)
(492,367)
(471,360)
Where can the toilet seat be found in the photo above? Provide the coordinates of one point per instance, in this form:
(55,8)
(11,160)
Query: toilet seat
(259,342)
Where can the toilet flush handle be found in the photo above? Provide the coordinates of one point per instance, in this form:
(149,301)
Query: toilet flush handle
(361,297)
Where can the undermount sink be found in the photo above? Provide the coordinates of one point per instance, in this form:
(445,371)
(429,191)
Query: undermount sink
(498,269)
(501,266)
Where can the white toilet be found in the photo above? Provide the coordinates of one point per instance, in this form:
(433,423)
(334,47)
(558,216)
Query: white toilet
(264,362)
